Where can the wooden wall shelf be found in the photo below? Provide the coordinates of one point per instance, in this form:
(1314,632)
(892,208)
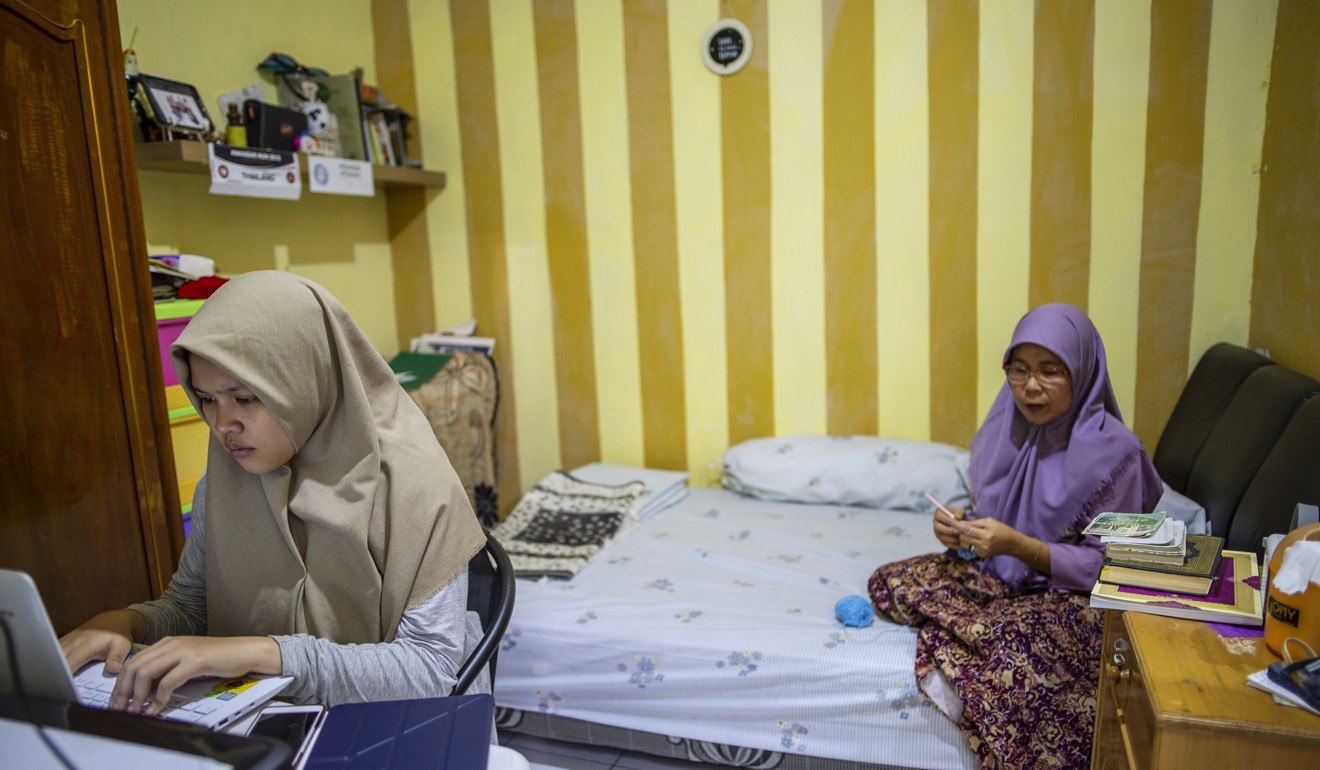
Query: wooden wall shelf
(191,158)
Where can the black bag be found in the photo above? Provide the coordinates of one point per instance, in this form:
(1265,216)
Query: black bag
(271,127)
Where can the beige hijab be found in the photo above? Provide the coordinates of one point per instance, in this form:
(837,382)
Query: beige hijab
(367,520)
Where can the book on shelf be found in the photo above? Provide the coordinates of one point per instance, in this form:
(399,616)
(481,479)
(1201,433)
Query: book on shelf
(1234,596)
(382,151)
(341,96)
(1194,575)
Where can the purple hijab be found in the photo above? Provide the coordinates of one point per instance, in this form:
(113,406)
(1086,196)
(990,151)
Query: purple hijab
(1041,479)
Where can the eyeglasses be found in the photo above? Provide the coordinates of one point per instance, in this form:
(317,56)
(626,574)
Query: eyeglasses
(1048,376)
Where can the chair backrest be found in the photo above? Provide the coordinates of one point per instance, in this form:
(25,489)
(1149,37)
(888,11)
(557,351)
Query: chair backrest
(1290,475)
(1217,376)
(490,595)
(1242,438)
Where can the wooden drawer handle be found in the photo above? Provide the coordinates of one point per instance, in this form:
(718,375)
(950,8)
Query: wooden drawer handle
(1117,675)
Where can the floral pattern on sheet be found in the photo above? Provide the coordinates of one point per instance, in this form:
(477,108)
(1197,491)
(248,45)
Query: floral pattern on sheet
(793,735)
(904,699)
(509,640)
(645,671)
(744,662)
(547,701)
(741,590)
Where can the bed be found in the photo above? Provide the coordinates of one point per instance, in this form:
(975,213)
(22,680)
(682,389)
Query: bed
(707,631)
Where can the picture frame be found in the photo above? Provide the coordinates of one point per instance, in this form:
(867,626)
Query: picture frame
(174,108)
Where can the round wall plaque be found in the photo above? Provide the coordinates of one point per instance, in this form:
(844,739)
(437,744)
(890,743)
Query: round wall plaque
(728,46)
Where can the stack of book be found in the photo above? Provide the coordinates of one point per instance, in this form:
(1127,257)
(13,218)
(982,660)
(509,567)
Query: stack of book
(1153,565)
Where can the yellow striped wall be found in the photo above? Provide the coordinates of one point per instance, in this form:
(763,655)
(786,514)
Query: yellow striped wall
(840,237)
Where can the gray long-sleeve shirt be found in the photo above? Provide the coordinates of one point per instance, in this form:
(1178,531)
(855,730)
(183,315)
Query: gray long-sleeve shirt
(422,662)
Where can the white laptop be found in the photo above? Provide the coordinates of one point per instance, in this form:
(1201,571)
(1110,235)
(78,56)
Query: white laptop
(210,702)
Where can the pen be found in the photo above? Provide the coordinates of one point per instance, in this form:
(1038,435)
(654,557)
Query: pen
(945,510)
(963,553)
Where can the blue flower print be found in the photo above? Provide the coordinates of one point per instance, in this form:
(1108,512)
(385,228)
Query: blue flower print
(661,584)
(585,617)
(690,615)
(834,639)
(793,735)
(546,701)
(646,671)
(509,640)
(744,661)
(906,701)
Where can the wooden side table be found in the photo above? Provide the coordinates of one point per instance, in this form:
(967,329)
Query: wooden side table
(1174,694)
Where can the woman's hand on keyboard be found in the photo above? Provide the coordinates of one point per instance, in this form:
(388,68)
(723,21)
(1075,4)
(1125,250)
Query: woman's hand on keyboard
(148,680)
(108,636)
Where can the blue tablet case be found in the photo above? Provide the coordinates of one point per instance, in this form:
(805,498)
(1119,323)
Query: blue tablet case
(439,733)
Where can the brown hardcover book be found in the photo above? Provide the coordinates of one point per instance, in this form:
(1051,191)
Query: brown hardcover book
(1234,596)
(1193,576)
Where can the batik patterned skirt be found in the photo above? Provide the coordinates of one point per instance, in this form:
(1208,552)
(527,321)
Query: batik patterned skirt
(1024,666)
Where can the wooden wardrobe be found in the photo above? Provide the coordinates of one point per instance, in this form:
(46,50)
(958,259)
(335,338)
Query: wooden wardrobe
(88,502)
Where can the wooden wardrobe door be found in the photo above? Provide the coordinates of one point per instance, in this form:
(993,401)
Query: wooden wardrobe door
(83,489)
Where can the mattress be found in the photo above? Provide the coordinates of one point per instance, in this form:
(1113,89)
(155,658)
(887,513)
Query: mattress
(713,620)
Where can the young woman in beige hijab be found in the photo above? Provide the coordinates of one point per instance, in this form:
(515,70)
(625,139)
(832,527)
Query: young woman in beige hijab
(330,536)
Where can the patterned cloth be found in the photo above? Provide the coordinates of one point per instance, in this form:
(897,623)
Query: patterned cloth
(459,402)
(563,521)
(1024,666)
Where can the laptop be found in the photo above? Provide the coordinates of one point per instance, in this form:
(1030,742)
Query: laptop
(209,702)
(452,732)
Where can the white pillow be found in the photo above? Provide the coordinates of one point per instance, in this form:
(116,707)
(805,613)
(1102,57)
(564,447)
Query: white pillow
(871,471)
(1184,509)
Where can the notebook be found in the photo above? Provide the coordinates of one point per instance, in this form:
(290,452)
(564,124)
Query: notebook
(211,702)
(439,733)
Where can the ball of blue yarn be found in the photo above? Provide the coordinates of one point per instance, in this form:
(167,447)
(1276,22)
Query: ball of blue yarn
(854,611)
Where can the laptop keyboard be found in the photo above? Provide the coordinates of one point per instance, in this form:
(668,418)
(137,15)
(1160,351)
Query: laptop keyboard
(94,691)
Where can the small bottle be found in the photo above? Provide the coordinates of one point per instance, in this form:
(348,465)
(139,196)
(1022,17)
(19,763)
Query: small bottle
(235,131)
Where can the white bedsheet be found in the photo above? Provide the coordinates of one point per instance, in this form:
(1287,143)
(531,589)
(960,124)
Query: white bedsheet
(714,620)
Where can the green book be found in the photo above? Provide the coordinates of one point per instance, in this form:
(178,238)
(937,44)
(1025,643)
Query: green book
(413,370)
(1194,575)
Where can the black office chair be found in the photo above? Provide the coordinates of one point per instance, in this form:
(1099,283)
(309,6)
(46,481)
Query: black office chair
(490,595)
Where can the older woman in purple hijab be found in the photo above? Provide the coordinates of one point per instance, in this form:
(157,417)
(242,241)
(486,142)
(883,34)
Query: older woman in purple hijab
(1008,646)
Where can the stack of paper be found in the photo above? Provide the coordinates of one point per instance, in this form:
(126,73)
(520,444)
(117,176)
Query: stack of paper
(663,488)
(1154,551)
(1282,695)
(1167,545)
(1118,524)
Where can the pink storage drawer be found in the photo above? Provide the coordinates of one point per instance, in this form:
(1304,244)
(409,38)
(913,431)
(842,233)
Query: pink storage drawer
(171,318)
